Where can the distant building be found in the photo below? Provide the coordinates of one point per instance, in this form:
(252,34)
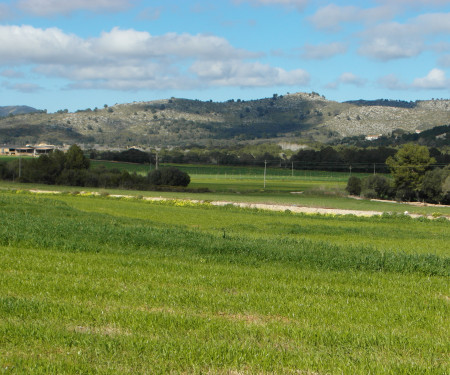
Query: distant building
(27,150)
(372,137)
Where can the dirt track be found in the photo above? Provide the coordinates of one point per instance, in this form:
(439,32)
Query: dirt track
(298,209)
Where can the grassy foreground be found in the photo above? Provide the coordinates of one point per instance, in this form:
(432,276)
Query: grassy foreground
(101,285)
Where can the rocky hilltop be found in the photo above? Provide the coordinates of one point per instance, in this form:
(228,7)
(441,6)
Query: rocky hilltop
(181,122)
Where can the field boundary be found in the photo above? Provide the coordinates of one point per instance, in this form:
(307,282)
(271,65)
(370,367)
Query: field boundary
(259,206)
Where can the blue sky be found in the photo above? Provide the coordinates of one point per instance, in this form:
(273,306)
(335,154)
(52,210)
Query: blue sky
(77,54)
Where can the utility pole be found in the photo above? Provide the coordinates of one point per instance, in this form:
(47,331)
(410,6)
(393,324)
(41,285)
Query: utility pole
(292,169)
(156,161)
(150,160)
(374,168)
(265,168)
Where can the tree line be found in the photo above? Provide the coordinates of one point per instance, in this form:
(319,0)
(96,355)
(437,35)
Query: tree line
(73,169)
(339,158)
(413,179)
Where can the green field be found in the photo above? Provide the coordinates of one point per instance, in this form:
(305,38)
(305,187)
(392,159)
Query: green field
(246,184)
(107,285)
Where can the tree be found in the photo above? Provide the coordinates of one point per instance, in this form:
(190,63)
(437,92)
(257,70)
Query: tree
(75,158)
(354,185)
(408,167)
(376,186)
(169,176)
(433,189)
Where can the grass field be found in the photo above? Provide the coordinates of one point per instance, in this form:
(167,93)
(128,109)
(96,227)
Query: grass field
(104,285)
(242,184)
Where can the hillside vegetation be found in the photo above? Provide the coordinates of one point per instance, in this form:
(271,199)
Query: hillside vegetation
(182,122)
(17,110)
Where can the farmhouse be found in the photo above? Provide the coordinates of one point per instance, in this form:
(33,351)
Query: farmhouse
(26,150)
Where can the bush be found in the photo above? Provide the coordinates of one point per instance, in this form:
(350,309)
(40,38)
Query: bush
(169,176)
(354,185)
(432,189)
(370,194)
(405,195)
(377,186)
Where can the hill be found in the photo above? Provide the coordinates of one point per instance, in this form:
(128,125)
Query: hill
(16,110)
(182,122)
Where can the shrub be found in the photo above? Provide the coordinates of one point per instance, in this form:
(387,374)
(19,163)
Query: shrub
(405,195)
(376,186)
(432,189)
(169,176)
(354,185)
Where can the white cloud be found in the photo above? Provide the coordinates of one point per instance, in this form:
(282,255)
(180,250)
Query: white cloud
(297,4)
(323,51)
(53,7)
(444,61)
(431,23)
(435,79)
(132,60)
(156,83)
(395,40)
(98,73)
(347,78)
(384,39)
(132,43)
(242,74)
(388,42)
(27,44)
(441,47)
(392,82)
(351,79)
(4,12)
(410,3)
(25,88)
(151,14)
(11,73)
(332,16)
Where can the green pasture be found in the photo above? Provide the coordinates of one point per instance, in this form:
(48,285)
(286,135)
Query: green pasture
(388,233)
(223,173)
(246,184)
(317,196)
(117,286)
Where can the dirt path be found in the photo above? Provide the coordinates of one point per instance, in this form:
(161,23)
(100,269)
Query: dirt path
(296,209)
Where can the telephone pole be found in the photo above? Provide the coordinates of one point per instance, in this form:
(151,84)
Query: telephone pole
(265,168)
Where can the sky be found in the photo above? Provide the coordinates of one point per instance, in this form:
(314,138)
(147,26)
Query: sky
(79,54)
